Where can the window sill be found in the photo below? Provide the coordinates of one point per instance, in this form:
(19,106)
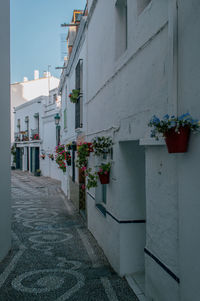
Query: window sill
(152,142)
(101,209)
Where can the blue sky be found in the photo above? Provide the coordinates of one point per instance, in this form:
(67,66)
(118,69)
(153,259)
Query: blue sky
(35,35)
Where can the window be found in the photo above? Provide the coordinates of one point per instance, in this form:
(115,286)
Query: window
(121,27)
(141,4)
(18,125)
(57,135)
(79,104)
(54,98)
(65,119)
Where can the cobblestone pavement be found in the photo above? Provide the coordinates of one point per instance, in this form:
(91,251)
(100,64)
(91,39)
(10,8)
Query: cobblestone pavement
(54,257)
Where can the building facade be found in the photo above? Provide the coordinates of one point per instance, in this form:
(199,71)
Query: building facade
(136,68)
(73,129)
(29,89)
(35,134)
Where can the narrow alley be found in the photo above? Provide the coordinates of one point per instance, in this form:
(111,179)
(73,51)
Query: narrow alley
(53,256)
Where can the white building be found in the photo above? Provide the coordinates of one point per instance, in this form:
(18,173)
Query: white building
(137,65)
(73,124)
(29,89)
(138,81)
(35,134)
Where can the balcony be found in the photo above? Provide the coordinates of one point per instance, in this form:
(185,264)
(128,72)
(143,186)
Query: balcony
(21,136)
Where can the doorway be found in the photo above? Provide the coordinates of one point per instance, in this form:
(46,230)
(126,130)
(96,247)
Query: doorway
(133,210)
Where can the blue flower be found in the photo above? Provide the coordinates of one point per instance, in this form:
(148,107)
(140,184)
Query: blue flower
(166,117)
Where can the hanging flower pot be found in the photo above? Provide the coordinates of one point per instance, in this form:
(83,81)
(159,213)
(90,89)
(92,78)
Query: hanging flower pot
(104,173)
(175,130)
(104,178)
(177,142)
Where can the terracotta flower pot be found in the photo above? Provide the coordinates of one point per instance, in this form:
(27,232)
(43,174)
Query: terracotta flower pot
(104,178)
(177,142)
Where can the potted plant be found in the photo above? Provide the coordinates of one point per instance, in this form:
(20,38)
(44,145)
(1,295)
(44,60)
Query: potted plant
(43,156)
(36,137)
(102,145)
(104,173)
(82,154)
(51,156)
(74,95)
(61,157)
(68,158)
(175,130)
(37,173)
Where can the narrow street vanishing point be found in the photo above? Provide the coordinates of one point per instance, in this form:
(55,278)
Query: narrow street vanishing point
(53,255)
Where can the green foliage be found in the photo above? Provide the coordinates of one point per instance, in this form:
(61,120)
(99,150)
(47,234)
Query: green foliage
(102,145)
(91,178)
(104,168)
(74,95)
(167,123)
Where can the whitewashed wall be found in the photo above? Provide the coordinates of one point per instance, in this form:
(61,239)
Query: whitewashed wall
(28,90)
(5,217)
(189,163)
(69,133)
(122,96)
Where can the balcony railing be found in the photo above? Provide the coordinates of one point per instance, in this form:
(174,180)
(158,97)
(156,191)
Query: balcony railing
(21,136)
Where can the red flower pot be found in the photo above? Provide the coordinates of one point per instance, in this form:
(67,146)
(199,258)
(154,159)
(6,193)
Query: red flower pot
(104,179)
(177,142)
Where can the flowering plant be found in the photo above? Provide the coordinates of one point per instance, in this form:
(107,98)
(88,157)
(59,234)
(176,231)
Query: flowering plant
(43,156)
(74,95)
(168,123)
(68,158)
(104,168)
(36,137)
(83,151)
(102,145)
(61,157)
(51,156)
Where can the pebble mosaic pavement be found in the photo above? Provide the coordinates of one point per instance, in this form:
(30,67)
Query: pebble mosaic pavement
(54,257)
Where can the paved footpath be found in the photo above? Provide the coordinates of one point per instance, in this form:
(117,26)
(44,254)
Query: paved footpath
(54,257)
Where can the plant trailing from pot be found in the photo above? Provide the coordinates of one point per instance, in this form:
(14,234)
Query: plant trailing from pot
(102,145)
(43,156)
(68,158)
(175,130)
(51,156)
(104,173)
(74,95)
(37,173)
(83,151)
(91,179)
(61,157)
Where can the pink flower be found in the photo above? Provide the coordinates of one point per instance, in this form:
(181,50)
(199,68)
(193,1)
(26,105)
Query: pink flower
(105,172)
(83,187)
(100,169)
(83,168)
